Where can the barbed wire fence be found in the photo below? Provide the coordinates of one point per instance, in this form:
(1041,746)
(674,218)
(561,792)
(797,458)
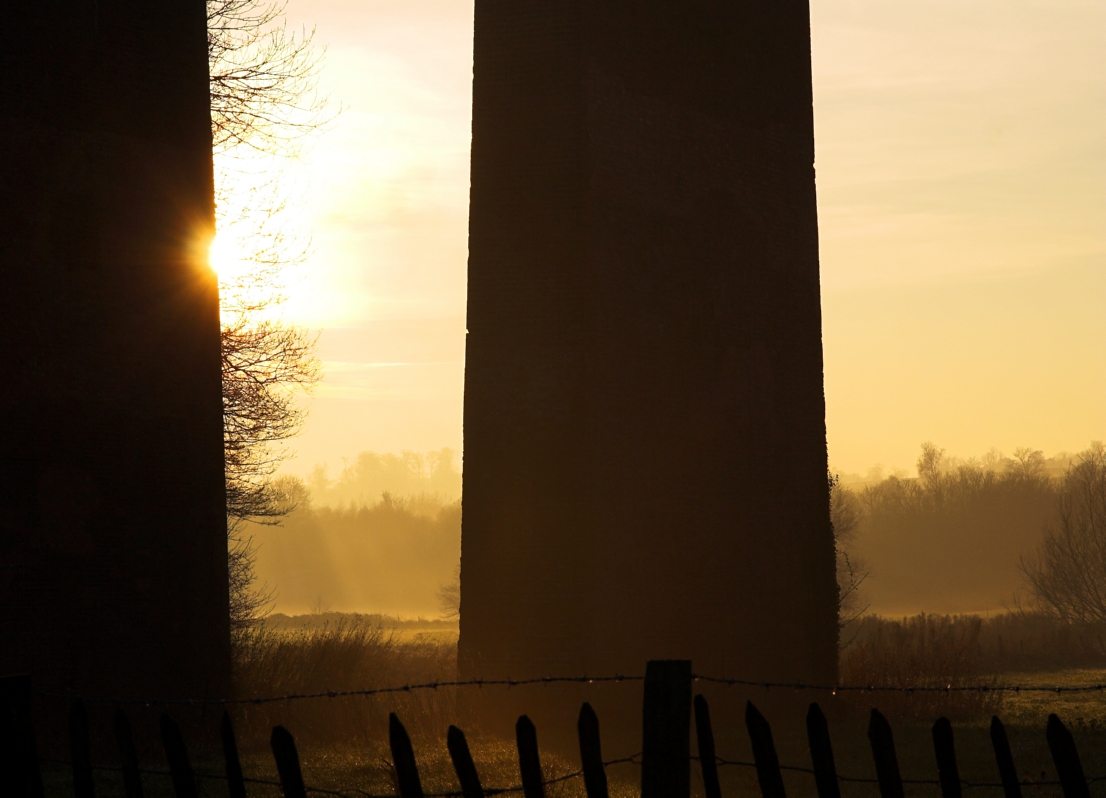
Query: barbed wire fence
(668,685)
(1096,687)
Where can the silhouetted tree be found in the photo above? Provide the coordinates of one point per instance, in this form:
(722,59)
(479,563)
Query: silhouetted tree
(1067,572)
(263,364)
(449,596)
(264,97)
(264,80)
(845,515)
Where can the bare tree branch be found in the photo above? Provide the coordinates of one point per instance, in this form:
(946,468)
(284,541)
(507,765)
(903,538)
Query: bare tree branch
(1067,573)
(264,80)
(264,97)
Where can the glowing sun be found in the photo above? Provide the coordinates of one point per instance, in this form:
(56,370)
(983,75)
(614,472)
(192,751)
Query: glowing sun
(225,257)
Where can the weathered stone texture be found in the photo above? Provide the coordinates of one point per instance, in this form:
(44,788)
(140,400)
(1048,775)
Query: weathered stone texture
(645,456)
(112,525)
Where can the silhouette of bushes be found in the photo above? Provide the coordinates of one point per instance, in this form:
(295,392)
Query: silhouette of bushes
(343,655)
(961,650)
(1067,572)
(923,651)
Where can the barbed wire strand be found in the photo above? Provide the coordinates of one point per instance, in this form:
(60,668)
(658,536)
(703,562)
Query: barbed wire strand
(875,688)
(369,691)
(618,678)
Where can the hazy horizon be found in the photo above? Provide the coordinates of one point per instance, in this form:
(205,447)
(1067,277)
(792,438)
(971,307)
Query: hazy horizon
(396,517)
(961,160)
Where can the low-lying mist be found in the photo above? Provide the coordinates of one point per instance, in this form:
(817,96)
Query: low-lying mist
(951,539)
(383,537)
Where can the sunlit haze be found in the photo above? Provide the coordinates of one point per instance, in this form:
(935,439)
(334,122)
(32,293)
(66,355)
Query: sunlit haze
(961,160)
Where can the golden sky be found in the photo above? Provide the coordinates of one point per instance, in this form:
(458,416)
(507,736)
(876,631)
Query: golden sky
(961,161)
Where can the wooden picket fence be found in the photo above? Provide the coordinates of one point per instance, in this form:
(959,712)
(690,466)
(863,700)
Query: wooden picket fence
(666,758)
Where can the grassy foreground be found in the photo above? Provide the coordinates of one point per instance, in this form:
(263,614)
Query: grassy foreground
(343,741)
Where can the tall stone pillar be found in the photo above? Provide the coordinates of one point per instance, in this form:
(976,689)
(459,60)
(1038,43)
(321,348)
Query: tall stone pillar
(113,565)
(645,450)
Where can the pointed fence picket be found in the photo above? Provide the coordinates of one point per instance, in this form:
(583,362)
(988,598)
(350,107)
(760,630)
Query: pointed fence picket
(184,779)
(708,759)
(821,753)
(1011,787)
(944,749)
(665,759)
(764,753)
(883,752)
(403,759)
(128,756)
(591,753)
(20,775)
(287,762)
(529,760)
(1066,758)
(80,751)
(236,785)
(462,763)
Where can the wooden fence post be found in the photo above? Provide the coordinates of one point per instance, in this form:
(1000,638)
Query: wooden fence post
(403,759)
(529,761)
(80,751)
(20,776)
(236,785)
(764,753)
(1011,787)
(128,756)
(184,780)
(462,763)
(287,762)
(883,752)
(821,753)
(708,760)
(944,749)
(1066,759)
(591,755)
(666,730)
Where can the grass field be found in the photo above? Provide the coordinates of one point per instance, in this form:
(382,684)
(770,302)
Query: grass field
(362,766)
(343,741)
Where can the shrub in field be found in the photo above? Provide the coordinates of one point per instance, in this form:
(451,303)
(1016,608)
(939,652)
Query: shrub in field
(1024,641)
(922,651)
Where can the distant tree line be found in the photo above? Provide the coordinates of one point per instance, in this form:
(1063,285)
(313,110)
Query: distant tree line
(392,554)
(961,536)
(972,535)
(435,475)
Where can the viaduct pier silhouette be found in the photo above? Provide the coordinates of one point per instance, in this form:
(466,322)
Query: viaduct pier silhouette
(112,508)
(645,449)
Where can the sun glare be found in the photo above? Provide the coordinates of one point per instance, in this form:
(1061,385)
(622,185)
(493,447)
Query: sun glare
(226,259)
